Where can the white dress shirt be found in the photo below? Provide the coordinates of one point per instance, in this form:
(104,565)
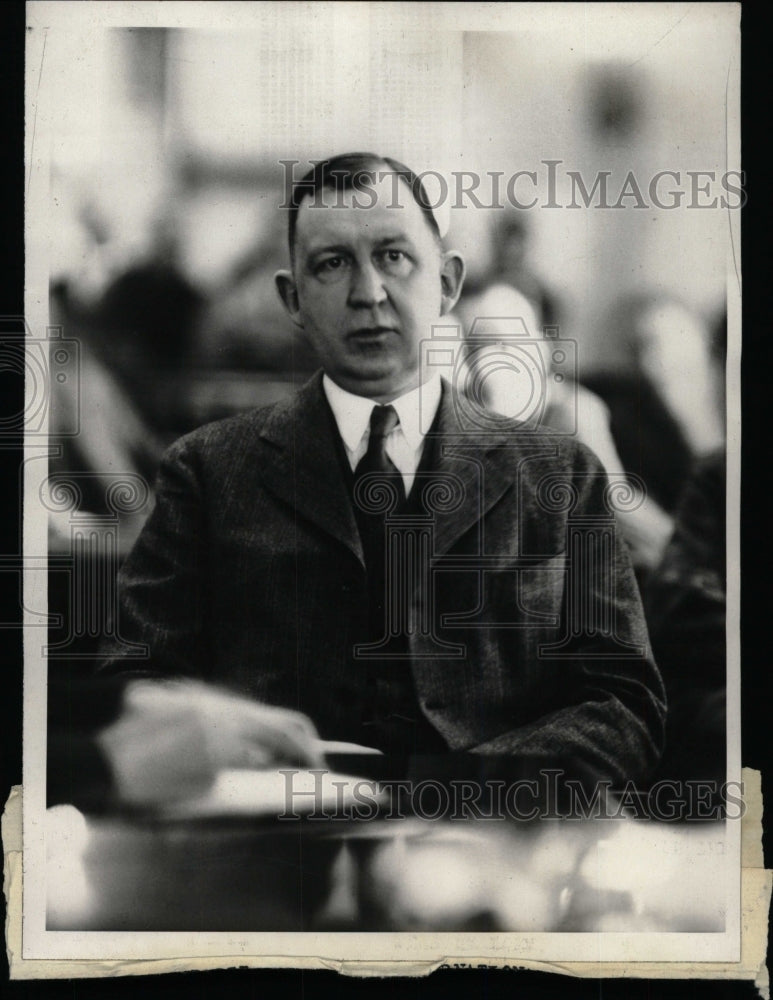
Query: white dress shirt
(404,445)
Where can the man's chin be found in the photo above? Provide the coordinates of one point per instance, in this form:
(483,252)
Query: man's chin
(376,382)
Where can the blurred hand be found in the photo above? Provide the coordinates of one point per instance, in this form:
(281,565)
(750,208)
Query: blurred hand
(173,737)
(647,529)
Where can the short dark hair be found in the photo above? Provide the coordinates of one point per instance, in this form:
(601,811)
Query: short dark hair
(342,173)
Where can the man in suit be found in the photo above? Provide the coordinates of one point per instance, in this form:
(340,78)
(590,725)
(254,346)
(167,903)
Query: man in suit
(412,574)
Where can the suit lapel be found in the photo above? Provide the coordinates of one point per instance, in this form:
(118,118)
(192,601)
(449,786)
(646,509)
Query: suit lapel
(302,465)
(476,462)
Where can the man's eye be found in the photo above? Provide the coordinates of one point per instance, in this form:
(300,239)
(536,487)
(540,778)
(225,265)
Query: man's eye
(331,268)
(395,261)
(330,264)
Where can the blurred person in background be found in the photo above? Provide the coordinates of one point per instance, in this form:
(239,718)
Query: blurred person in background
(122,291)
(244,324)
(144,325)
(663,395)
(685,603)
(511,265)
(125,301)
(566,405)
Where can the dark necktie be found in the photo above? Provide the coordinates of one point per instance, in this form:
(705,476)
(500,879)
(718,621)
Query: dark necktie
(378,492)
(375,461)
(391,718)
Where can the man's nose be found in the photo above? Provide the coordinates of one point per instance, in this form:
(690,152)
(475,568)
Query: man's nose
(367,286)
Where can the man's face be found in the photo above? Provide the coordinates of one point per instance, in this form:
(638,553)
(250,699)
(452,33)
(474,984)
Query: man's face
(368,282)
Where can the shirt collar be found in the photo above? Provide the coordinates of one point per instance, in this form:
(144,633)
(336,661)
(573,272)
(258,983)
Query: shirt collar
(416,409)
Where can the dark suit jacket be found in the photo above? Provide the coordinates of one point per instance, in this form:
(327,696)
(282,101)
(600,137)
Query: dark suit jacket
(529,637)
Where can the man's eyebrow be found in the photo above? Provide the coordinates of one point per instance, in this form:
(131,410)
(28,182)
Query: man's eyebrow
(328,248)
(314,251)
(397,238)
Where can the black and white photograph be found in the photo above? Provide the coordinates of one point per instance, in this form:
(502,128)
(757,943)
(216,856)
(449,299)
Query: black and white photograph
(381,482)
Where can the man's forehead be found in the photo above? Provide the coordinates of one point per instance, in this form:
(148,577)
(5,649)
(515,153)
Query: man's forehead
(381,208)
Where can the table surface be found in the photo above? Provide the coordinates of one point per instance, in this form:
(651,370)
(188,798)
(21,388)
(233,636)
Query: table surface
(221,865)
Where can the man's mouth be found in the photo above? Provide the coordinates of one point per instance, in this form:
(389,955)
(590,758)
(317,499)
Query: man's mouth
(371,332)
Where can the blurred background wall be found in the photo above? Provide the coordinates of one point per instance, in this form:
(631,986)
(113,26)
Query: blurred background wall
(166,176)
(175,135)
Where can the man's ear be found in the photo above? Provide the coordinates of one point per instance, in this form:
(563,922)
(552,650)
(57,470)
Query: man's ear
(288,293)
(451,280)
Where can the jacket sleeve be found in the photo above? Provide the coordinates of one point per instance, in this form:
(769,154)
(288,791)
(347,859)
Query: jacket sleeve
(611,725)
(161,604)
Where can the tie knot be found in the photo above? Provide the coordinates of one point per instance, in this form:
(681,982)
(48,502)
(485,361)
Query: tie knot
(376,461)
(383,420)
